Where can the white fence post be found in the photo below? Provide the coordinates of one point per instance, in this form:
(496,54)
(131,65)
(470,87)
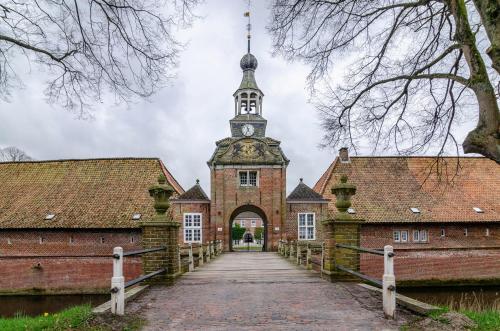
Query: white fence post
(191,260)
(322,257)
(309,257)
(298,258)
(179,257)
(118,283)
(208,252)
(389,283)
(200,255)
(291,251)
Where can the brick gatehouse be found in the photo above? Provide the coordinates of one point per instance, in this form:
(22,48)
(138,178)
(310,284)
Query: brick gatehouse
(443,228)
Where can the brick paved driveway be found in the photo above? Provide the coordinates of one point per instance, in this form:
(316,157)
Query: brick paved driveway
(260,291)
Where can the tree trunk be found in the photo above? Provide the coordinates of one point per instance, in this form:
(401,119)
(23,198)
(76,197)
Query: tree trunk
(489,10)
(485,138)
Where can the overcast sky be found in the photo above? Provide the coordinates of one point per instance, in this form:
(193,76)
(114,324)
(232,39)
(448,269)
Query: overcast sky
(181,123)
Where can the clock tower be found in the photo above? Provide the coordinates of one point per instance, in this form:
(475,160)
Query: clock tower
(248,169)
(248,120)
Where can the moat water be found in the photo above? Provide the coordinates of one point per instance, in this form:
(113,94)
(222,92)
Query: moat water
(465,297)
(33,305)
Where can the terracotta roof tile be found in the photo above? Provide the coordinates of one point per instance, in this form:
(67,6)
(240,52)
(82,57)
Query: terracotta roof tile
(93,193)
(387,187)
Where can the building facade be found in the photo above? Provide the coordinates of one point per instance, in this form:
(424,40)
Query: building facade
(60,220)
(442,216)
(56,216)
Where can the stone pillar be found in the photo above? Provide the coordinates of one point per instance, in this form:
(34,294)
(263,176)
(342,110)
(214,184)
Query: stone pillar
(161,231)
(342,229)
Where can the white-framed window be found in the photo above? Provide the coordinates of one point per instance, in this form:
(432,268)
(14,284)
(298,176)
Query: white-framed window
(466,233)
(416,236)
(404,236)
(420,236)
(443,233)
(396,236)
(242,223)
(307,226)
(192,227)
(248,178)
(254,223)
(423,236)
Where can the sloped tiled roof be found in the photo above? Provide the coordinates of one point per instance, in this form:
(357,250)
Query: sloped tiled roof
(387,187)
(194,193)
(304,193)
(92,193)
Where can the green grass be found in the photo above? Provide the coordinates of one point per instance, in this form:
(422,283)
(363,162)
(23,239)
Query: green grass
(486,320)
(74,318)
(79,318)
(244,248)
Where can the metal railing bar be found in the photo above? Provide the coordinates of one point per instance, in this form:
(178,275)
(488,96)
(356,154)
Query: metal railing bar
(360,275)
(144,277)
(143,251)
(361,249)
(52,256)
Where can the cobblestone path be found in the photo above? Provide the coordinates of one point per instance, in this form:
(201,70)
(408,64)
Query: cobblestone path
(260,291)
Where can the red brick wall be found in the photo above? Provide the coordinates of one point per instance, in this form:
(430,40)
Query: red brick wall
(178,210)
(452,257)
(269,196)
(292,211)
(57,274)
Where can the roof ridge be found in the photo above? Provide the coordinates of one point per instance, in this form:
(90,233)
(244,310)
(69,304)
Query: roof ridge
(328,173)
(87,159)
(195,192)
(303,192)
(416,157)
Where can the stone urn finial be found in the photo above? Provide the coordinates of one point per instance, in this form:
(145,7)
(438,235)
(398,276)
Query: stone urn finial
(161,192)
(343,192)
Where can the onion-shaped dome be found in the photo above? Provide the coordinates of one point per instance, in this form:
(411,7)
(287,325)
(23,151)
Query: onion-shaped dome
(248,62)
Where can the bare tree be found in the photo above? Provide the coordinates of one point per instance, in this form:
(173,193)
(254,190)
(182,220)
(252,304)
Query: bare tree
(92,46)
(13,154)
(415,73)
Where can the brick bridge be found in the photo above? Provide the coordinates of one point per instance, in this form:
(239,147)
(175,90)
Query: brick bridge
(247,291)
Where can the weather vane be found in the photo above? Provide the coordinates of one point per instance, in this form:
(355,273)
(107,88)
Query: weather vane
(249,25)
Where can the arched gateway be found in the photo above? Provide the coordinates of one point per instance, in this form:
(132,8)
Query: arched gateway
(249,209)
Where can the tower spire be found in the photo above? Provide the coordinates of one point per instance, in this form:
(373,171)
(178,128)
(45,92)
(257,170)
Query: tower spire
(249,26)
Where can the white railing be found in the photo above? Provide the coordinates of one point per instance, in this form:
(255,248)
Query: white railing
(294,251)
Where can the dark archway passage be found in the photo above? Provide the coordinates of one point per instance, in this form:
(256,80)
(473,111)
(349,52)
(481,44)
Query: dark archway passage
(253,209)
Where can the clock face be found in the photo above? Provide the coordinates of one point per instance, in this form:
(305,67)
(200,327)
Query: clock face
(247,130)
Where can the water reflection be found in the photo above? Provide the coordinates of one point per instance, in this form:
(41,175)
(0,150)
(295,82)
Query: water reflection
(32,305)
